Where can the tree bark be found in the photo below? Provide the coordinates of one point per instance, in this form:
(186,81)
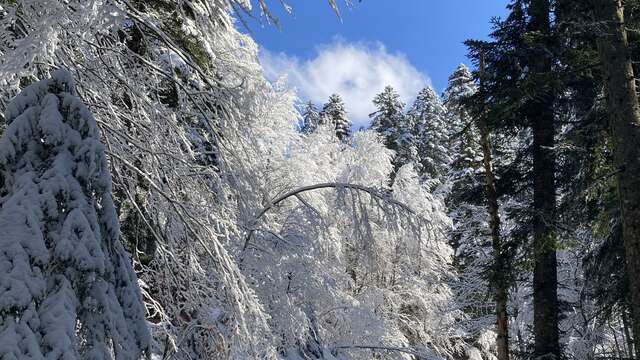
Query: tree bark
(499,271)
(627,335)
(541,116)
(624,117)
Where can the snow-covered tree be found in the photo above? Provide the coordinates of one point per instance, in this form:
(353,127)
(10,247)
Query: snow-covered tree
(388,117)
(431,133)
(469,208)
(460,87)
(174,180)
(68,286)
(199,143)
(347,270)
(463,134)
(390,121)
(465,199)
(311,118)
(334,112)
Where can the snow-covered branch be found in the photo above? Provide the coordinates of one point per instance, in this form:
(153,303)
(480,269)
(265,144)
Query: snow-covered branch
(375,193)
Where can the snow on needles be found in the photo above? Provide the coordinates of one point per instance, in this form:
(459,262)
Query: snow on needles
(68,287)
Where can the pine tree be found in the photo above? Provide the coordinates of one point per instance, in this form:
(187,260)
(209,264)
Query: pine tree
(390,121)
(69,290)
(311,118)
(431,134)
(334,112)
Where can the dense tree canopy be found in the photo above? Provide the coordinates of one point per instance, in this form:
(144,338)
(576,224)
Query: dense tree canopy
(160,198)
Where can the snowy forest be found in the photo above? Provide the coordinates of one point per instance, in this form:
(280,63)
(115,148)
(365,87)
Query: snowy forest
(161,199)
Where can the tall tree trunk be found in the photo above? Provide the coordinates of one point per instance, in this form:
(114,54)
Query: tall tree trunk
(541,115)
(624,117)
(499,274)
(627,334)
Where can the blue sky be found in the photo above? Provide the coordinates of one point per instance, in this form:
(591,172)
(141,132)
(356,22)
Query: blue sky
(405,43)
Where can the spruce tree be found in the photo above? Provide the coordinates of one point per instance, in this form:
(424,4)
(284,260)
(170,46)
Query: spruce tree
(539,110)
(460,87)
(68,288)
(463,134)
(475,208)
(311,118)
(520,100)
(589,196)
(388,117)
(396,129)
(431,134)
(624,117)
(465,200)
(334,112)
(466,184)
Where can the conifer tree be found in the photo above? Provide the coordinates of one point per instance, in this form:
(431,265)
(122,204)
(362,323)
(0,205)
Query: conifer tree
(396,129)
(521,100)
(388,117)
(539,110)
(624,117)
(430,132)
(460,87)
(474,208)
(465,199)
(463,134)
(334,112)
(588,204)
(68,287)
(311,118)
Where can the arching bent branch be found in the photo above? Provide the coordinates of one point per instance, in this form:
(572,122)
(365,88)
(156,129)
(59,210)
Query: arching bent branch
(371,191)
(375,193)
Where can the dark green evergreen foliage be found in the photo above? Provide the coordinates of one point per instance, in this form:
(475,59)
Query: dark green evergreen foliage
(138,36)
(607,281)
(137,224)
(518,95)
(502,100)
(588,174)
(585,177)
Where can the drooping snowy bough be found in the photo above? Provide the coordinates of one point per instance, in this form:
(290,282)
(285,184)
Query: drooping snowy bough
(67,286)
(199,142)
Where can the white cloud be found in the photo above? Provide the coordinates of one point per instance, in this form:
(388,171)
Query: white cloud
(356,71)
